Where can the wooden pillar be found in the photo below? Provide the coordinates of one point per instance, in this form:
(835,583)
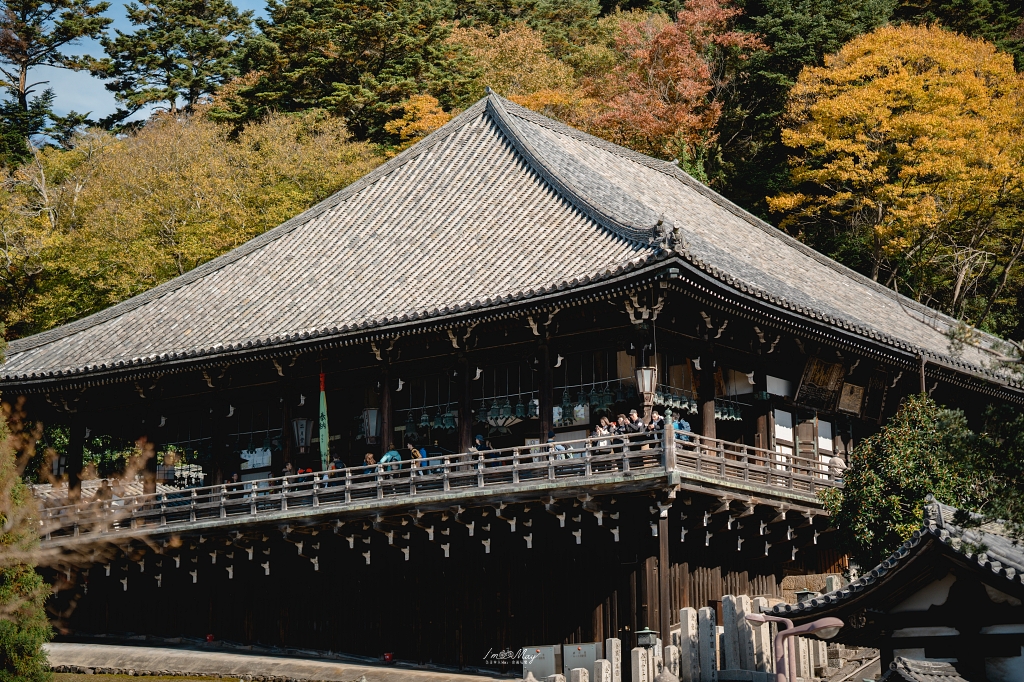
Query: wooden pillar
(545,398)
(387,429)
(664,592)
(707,395)
(73,462)
(149,445)
(465,405)
(217,440)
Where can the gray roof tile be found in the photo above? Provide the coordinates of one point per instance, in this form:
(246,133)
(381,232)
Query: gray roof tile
(500,204)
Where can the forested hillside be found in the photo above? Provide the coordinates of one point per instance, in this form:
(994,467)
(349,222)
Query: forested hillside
(885,133)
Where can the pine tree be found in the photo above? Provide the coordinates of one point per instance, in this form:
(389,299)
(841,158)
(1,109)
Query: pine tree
(35,33)
(355,58)
(181,50)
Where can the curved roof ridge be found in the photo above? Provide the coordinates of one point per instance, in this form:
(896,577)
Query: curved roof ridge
(621,226)
(926,314)
(257,242)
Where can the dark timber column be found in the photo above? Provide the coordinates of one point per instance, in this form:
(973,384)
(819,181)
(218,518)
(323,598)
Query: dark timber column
(762,407)
(149,446)
(73,463)
(546,387)
(386,425)
(465,406)
(664,573)
(707,394)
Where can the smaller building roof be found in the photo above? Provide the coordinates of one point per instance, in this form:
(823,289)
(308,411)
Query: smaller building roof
(988,546)
(913,670)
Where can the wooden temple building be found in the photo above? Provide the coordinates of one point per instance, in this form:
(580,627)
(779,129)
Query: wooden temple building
(951,594)
(505,277)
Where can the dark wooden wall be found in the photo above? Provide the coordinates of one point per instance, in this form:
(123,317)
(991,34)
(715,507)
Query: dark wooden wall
(429,608)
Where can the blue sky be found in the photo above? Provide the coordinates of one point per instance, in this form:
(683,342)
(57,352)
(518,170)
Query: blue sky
(82,92)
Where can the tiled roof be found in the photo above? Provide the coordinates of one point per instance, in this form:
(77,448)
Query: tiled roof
(911,670)
(499,205)
(988,545)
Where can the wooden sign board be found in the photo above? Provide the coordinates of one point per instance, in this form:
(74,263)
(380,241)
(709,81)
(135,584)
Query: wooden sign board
(820,384)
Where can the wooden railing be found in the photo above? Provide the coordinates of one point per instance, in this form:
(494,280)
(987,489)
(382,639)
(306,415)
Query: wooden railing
(735,462)
(584,460)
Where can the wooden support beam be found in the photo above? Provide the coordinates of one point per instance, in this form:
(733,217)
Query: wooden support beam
(73,462)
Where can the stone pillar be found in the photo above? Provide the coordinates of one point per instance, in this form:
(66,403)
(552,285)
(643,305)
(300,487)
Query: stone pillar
(603,670)
(689,663)
(672,659)
(579,675)
(707,644)
(613,652)
(639,659)
(763,659)
(73,463)
(804,655)
(730,625)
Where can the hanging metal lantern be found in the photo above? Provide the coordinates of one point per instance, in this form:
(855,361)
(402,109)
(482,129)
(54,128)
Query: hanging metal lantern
(566,403)
(581,399)
(424,419)
(449,421)
(495,411)
(438,421)
(520,409)
(595,398)
(506,410)
(620,395)
(533,409)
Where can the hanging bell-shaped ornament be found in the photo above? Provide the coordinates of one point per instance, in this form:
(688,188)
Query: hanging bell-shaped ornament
(595,398)
(520,409)
(439,421)
(424,419)
(620,395)
(533,409)
(506,409)
(495,411)
(581,399)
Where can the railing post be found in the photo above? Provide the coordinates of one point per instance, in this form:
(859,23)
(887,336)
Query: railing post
(746,464)
(515,465)
(551,466)
(348,484)
(252,497)
(316,491)
(447,468)
(380,482)
(625,454)
(669,446)
(480,471)
(284,493)
(192,509)
(163,509)
(223,497)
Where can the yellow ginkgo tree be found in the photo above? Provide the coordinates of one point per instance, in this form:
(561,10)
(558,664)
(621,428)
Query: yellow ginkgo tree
(906,163)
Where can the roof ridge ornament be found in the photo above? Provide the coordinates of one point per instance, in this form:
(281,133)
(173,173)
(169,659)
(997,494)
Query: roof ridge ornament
(668,237)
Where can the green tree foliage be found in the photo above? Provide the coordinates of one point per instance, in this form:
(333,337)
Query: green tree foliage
(927,449)
(356,59)
(798,33)
(115,216)
(906,161)
(36,33)
(24,627)
(997,21)
(180,50)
